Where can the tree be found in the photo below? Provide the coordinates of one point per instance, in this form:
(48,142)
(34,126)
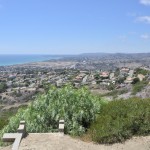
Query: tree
(121,80)
(3,87)
(142,71)
(78,107)
(97,76)
(135,80)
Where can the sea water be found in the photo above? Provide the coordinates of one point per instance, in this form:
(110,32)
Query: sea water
(6,60)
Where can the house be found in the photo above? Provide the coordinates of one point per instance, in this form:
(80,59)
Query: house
(111,76)
(32,85)
(93,82)
(124,71)
(128,80)
(59,82)
(85,79)
(141,77)
(104,74)
(9,83)
(104,83)
(12,76)
(145,67)
(80,77)
(84,71)
(131,72)
(9,90)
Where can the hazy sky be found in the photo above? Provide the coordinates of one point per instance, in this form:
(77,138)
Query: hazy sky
(74,26)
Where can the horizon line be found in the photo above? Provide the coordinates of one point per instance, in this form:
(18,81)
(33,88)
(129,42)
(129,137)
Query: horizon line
(76,54)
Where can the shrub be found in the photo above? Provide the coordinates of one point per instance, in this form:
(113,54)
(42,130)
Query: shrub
(120,80)
(3,87)
(78,107)
(97,76)
(3,122)
(115,92)
(120,120)
(138,87)
(5,115)
(111,87)
(136,80)
(142,71)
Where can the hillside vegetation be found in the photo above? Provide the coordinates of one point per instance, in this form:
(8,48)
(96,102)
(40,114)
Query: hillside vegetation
(5,115)
(139,86)
(120,120)
(83,112)
(78,107)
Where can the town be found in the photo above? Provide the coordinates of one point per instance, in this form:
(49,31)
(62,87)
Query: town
(19,84)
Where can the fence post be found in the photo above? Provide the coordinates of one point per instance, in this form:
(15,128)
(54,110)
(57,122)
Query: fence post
(61,126)
(22,128)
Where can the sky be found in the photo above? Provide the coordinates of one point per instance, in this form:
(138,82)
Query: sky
(74,26)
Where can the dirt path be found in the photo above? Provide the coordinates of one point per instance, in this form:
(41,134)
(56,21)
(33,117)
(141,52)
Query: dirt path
(48,141)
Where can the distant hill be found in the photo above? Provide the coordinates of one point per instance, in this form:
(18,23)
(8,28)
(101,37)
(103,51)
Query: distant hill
(109,56)
(116,54)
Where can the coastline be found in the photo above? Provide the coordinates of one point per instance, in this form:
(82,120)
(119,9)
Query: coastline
(15,60)
(53,64)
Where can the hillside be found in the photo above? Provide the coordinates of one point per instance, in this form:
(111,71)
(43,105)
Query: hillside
(86,117)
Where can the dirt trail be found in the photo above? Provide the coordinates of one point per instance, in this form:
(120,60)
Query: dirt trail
(49,141)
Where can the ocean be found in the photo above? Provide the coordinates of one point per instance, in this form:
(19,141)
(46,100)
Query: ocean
(6,60)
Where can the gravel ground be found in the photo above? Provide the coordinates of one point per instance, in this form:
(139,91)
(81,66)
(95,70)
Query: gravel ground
(49,141)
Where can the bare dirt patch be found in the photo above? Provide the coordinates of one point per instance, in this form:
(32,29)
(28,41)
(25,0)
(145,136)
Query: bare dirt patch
(52,141)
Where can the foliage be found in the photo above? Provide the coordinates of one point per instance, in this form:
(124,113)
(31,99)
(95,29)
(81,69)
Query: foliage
(97,76)
(117,72)
(78,107)
(138,87)
(115,92)
(3,122)
(142,71)
(120,80)
(135,80)
(111,87)
(120,120)
(6,114)
(3,87)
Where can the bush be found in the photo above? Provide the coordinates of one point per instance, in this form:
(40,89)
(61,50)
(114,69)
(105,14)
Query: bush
(5,116)
(97,76)
(136,80)
(138,87)
(120,120)
(3,122)
(142,71)
(78,107)
(3,87)
(116,93)
(111,87)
